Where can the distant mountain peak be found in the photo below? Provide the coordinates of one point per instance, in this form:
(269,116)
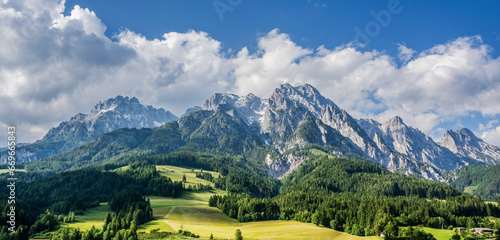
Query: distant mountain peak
(467,133)
(461,137)
(219,99)
(396,120)
(105,116)
(190,110)
(465,143)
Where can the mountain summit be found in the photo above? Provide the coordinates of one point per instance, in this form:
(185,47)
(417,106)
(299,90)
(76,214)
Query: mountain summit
(112,114)
(464,143)
(107,116)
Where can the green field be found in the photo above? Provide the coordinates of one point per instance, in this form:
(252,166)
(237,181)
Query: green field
(190,212)
(7,170)
(155,224)
(439,234)
(176,173)
(470,189)
(91,217)
(204,220)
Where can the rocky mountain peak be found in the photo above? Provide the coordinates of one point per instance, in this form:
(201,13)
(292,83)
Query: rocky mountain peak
(460,138)
(467,135)
(118,104)
(251,101)
(463,142)
(219,99)
(104,117)
(396,121)
(306,96)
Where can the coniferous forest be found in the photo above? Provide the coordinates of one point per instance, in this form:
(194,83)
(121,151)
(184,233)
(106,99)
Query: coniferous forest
(353,196)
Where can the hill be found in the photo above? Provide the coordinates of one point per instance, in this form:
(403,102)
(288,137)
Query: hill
(483,181)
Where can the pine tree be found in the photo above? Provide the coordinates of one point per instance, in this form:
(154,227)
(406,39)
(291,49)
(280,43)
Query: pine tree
(184,178)
(392,229)
(316,218)
(240,215)
(238,235)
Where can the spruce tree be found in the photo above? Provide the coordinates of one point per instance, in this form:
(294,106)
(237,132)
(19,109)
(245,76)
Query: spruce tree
(238,235)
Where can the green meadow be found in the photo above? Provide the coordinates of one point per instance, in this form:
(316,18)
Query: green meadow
(7,170)
(91,217)
(191,212)
(176,173)
(439,234)
(204,220)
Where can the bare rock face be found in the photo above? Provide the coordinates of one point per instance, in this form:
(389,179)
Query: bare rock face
(465,144)
(112,114)
(293,117)
(397,137)
(107,116)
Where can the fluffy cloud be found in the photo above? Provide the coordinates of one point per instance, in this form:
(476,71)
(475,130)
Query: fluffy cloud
(405,53)
(54,66)
(492,136)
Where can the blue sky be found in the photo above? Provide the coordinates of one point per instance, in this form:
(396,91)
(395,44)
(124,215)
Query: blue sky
(434,63)
(420,24)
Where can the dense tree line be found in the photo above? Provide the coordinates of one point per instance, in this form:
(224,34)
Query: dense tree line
(485,180)
(101,150)
(205,175)
(81,189)
(330,174)
(359,214)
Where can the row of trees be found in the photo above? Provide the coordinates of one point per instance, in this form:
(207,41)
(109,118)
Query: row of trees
(361,215)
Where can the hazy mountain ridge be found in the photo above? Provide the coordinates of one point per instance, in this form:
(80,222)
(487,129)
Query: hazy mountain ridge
(107,116)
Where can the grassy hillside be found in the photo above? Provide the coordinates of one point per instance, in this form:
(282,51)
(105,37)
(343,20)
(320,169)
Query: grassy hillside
(205,220)
(190,212)
(439,234)
(176,173)
(91,217)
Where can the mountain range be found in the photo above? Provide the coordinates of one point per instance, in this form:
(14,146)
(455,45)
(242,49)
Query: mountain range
(104,117)
(268,132)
